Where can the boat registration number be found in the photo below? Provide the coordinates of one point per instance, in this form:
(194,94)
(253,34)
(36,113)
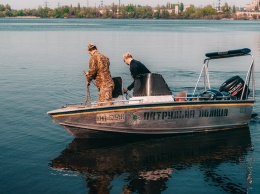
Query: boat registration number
(110,118)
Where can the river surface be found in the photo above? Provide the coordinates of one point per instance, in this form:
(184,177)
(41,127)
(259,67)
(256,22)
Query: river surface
(41,64)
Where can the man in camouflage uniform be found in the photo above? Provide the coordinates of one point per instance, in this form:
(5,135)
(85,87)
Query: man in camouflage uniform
(99,71)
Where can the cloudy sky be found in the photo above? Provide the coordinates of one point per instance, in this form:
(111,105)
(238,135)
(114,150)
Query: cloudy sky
(21,4)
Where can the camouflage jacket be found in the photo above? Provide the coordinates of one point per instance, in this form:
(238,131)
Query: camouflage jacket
(99,70)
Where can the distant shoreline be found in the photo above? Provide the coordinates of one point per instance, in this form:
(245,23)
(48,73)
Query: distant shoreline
(171,11)
(29,17)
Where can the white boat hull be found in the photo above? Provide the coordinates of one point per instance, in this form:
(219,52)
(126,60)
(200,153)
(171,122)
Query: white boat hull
(149,119)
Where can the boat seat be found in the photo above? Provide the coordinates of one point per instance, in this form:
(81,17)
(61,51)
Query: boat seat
(118,89)
(150,84)
(214,95)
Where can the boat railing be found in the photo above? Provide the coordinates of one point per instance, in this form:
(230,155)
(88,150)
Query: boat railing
(77,104)
(116,102)
(227,54)
(94,104)
(189,97)
(208,97)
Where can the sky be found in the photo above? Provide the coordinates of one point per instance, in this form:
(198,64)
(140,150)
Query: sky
(22,4)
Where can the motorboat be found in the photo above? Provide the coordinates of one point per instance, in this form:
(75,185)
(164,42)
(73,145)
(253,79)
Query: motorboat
(153,109)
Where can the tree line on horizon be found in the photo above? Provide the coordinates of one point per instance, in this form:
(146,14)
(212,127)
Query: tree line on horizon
(125,12)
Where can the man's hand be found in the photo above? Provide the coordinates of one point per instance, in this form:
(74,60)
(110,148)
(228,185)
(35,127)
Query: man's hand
(125,90)
(85,74)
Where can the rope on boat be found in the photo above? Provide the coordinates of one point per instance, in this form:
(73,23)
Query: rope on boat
(87,91)
(87,95)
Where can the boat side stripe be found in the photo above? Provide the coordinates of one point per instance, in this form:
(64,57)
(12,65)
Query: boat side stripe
(151,108)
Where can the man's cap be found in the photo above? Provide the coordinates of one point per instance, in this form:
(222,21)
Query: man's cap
(91,46)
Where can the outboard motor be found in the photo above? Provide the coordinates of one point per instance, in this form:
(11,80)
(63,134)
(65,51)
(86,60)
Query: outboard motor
(234,86)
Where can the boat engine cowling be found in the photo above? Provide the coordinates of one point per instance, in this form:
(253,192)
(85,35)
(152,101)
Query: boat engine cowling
(234,86)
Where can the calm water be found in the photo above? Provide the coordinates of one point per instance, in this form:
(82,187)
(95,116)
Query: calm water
(41,63)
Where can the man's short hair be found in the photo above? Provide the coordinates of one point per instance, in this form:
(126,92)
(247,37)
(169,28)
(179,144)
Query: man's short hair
(92,47)
(127,55)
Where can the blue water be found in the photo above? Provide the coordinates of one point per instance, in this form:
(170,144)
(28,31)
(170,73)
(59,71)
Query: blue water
(41,63)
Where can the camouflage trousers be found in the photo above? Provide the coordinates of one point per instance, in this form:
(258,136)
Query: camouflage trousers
(105,95)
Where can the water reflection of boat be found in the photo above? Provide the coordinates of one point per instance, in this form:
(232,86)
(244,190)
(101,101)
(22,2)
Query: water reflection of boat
(149,163)
(154,109)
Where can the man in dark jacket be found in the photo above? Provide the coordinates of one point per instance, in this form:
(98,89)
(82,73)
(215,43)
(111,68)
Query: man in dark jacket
(136,68)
